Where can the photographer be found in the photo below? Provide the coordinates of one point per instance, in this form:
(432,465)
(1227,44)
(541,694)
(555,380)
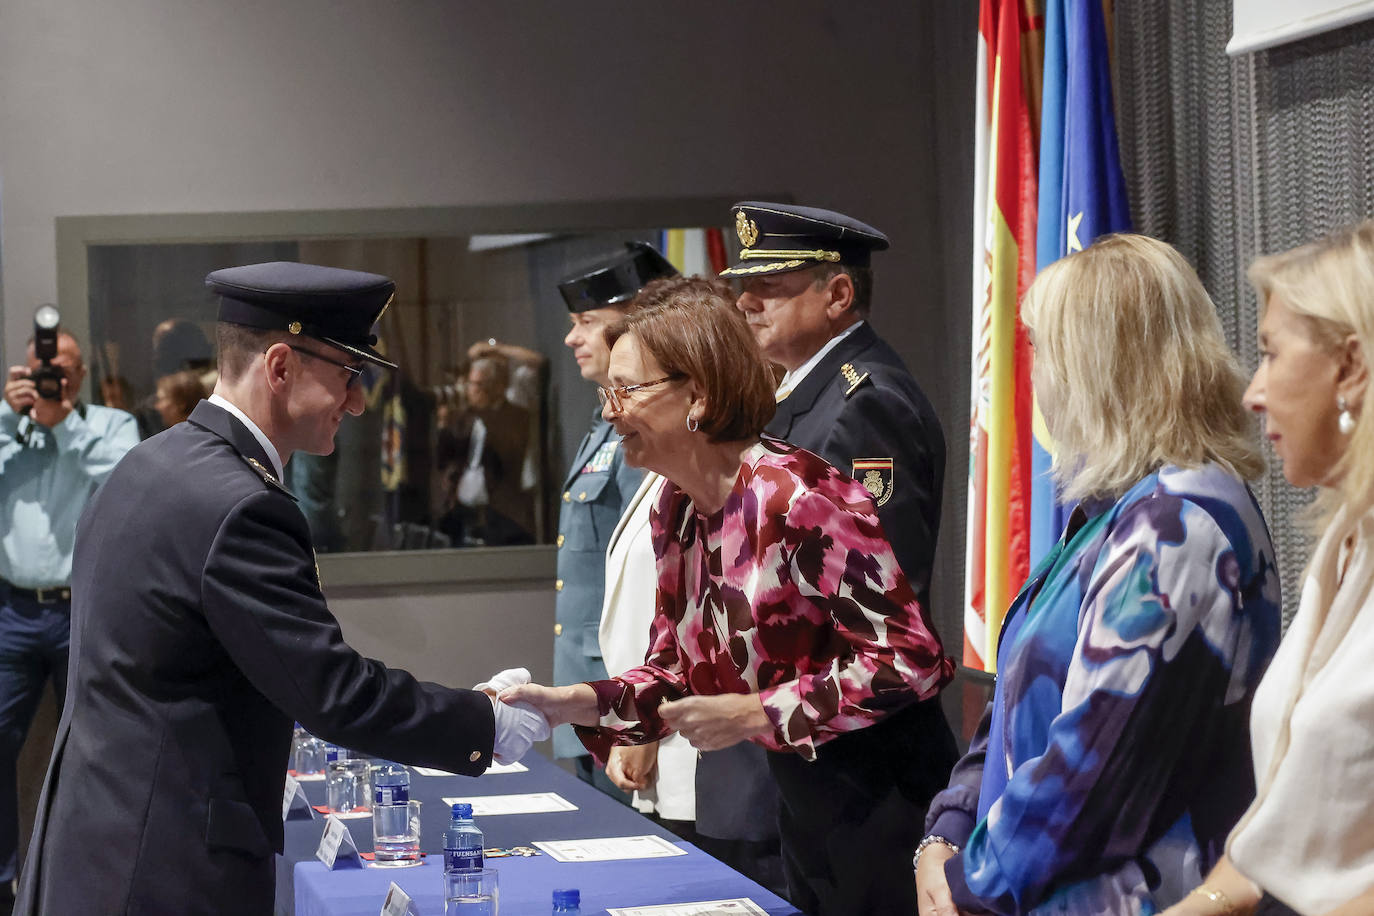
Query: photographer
(54,451)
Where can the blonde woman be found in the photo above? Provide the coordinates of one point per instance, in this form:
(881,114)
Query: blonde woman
(1114,757)
(1306,844)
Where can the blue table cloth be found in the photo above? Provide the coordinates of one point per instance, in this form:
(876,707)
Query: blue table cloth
(526,883)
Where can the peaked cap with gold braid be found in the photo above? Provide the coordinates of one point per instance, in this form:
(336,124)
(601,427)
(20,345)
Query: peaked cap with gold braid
(783,237)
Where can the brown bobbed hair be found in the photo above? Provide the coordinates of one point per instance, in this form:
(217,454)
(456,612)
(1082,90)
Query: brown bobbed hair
(691,327)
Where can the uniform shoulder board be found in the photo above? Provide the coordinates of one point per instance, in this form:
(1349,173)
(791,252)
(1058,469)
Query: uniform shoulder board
(267,476)
(853,378)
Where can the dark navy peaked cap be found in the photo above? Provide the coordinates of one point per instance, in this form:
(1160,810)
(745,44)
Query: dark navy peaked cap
(616,280)
(338,307)
(782,237)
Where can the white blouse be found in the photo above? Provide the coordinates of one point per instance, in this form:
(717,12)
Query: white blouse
(631,584)
(1308,838)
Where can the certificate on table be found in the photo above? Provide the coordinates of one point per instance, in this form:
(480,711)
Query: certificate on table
(610,848)
(527,803)
(493,769)
(740,906)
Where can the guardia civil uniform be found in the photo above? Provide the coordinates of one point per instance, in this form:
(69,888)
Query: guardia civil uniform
(598,487)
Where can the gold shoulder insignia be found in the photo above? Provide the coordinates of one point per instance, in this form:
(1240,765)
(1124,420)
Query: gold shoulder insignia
(267,476)
(852,378)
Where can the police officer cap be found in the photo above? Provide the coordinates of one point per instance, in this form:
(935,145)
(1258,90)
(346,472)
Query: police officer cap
(336,306)
(782,237)
(616,280)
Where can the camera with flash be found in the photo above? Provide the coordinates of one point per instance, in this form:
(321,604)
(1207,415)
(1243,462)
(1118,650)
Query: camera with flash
(47,378)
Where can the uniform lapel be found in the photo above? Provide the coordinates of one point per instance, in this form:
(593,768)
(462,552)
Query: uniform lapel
(824,373)
(228,427)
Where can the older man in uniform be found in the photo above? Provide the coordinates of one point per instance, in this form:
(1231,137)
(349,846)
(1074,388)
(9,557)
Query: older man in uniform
(806,287)
(598,487)
(199,631)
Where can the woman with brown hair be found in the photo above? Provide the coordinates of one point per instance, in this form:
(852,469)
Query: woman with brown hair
(782,616)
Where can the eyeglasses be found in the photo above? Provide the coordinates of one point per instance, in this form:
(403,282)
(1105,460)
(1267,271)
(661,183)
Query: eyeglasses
(355,375)
(615,396)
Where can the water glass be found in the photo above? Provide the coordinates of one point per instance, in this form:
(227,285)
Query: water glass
(309,757)
(471,892)
(348,785)
(396,834)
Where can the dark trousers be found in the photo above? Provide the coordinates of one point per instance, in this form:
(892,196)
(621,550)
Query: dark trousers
(851,819)
(34,639)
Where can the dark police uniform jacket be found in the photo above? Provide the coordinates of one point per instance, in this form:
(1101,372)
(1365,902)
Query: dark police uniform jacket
(598,488)
(867,792)
(873,414)
(198,634)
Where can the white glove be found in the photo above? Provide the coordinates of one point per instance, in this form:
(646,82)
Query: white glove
(517,728)
(511,677)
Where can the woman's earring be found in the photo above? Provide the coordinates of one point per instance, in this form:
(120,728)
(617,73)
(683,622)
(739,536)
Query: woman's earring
(1346,421)
(693,424)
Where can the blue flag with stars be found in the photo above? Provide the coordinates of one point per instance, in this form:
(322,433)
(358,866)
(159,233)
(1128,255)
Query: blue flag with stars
(1082,190)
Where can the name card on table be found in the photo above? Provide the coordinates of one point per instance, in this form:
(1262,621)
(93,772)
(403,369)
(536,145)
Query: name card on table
(294,804)
(522,803)
(740,906)
(492,770)
(608,849)
(337,846)
(398,903)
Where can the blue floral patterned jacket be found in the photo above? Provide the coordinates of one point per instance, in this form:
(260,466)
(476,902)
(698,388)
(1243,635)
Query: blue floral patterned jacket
(1115,756)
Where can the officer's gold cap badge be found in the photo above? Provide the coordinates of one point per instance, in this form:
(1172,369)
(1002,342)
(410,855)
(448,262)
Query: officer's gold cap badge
(746,229)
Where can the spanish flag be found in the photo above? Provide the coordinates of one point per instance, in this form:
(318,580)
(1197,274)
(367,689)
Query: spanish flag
(1009,70)
(699,252)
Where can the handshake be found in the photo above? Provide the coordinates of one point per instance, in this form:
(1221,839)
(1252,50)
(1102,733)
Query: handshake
(518,725)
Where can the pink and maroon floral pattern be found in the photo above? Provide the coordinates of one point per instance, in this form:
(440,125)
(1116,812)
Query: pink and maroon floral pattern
(790,591)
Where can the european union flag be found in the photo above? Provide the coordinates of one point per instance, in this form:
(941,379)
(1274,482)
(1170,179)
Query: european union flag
(1082,189)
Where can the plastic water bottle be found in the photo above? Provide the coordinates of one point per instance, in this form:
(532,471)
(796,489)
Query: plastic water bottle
(463,841)
(567,902)
(392,840)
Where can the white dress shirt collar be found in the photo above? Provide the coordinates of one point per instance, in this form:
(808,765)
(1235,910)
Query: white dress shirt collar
(258,434)
(794,377)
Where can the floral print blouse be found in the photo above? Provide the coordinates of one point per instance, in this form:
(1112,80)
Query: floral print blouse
(790,591)
(1115,756)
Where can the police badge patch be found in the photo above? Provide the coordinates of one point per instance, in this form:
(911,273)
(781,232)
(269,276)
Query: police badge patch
(876,476)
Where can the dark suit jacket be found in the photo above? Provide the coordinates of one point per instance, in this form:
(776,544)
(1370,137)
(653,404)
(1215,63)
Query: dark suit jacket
(884,416)
(198,634)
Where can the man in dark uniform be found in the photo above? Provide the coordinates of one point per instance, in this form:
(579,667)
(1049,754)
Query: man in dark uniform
(598,487)
(847,396)
(199,631)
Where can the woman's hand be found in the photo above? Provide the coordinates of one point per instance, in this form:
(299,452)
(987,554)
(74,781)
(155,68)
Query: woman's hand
(713,723)
(633,767)
(560,705)
(932,890)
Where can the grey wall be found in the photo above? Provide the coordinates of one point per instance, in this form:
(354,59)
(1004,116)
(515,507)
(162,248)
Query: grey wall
(175,106)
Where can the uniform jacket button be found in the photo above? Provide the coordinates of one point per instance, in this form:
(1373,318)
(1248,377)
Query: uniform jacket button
(559,542)
(567,496)
(475,756)
(558,586)
(558,629)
